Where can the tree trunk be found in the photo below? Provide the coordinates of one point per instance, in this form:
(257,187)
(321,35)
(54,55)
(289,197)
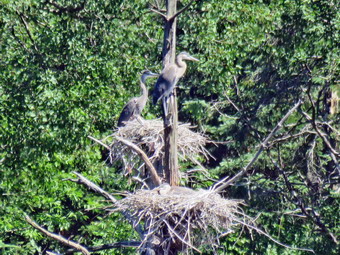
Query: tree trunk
(170,131)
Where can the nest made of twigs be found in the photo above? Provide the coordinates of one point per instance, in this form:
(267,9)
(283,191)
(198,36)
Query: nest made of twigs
(149,135)
(191,218)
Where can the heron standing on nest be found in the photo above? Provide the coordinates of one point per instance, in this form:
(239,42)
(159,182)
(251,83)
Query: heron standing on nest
(169,78)
(136,105)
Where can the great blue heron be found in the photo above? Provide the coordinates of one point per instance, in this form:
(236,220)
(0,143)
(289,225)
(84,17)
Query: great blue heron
(136,105)
(169,78)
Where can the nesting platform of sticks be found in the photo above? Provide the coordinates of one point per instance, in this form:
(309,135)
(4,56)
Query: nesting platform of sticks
(186,218)
(148,134)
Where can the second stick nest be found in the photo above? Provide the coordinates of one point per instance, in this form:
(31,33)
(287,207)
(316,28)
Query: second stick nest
(185,217)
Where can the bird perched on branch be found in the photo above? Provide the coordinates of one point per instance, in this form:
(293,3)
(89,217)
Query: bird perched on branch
(169,78)
(136,105)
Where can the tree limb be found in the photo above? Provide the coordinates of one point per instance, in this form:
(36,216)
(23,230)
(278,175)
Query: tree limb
(314,217)
(154,176)
(122,244)
(59,238)
(92,186)
(225,182)
(159,13)
(181,10)
(27,29)
(99,142)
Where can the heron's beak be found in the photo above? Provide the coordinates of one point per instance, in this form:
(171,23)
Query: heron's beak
(193,59)
(154,74)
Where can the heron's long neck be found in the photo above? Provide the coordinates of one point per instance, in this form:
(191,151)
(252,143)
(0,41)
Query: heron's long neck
(181,67)
(143,87)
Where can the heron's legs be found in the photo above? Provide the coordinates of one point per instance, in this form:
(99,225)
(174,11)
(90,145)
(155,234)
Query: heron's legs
(165,105)
(165,110)
(139,119)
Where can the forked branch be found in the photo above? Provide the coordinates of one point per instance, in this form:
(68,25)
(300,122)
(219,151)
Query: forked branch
(225,182)
(154,176)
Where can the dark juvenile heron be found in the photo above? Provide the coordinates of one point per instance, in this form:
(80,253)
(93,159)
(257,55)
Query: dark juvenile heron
(136,105)
(169,78)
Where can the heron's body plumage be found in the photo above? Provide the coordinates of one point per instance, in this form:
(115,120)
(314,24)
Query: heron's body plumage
(135,106)
(168,79)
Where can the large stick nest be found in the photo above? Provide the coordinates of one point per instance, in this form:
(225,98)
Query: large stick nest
(185,217)
(149,136)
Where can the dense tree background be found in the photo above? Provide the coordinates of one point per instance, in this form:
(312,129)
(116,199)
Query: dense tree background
(68,66)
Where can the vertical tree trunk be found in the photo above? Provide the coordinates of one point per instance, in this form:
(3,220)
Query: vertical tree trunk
(170,131)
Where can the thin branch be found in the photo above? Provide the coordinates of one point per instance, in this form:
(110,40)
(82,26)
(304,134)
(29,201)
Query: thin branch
(272,238)
(313,120)
(19,41)
(95,188)
(99,142)
(122,244)
(59,238)
(180,238)
(92,186)
(222,184)
(298,201)
(181,10)
(52,253)
(159,13)
(27,29)
(154,176)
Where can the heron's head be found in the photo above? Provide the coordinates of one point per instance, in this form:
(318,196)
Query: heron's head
(147,74)
(186,56)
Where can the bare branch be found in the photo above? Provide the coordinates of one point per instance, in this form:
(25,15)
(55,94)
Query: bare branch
(182,10)
(122,244)
(308,212)
(52,253)
(59,238)
(322,135)
(222,184)
(99,142)
(159,13)
(92,186)
(154,176)
(273,239)
(27,29)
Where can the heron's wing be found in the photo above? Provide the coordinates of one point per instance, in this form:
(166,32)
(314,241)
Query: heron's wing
(127,112)
(165,83)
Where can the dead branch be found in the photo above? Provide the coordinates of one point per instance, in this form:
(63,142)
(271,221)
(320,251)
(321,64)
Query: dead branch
(27,29)
(225,182)
(320,134)
(154,176)
(260,231)
(99,142)
(122,244)
(181,10)
(92,186)
(308,212)
(52,253)
(159,13)
(59,238)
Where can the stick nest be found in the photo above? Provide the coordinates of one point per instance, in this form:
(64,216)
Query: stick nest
(149,136)
(186,217)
